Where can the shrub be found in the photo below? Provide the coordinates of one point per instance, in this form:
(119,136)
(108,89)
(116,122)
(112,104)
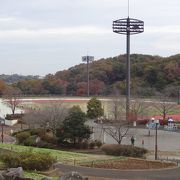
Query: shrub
(98,143)
(163,122)
(22,136)
(10,159)
(65,144)
(28,138)
(92,145)
(49,139)
(28,160)
(43,144)
(123,150)
(77,145)
(84,145)
(13,116)
(30,141)
(38,132)
(142,122)
(17,132)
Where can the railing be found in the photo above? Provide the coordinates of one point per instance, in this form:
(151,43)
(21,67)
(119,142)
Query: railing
(174,127)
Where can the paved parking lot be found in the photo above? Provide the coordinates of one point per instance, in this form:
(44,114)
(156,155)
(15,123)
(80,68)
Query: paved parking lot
(167,140)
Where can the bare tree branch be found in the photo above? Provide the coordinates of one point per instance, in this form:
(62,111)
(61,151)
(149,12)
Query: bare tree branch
(50,117)
(117,131)
(11,96)
(164,107)
(138,108)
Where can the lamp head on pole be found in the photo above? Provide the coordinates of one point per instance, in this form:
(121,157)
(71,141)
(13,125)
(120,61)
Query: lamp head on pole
(156,121)
(133,26)
(87,58)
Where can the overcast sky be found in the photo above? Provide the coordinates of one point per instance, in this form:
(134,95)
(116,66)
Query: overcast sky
(38,37)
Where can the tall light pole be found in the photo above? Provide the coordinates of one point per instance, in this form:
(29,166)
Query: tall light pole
(128,26)
(156,144)
(87,59)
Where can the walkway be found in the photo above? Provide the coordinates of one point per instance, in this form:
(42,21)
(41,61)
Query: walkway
(165,174)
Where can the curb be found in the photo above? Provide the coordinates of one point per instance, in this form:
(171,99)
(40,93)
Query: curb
(119,170)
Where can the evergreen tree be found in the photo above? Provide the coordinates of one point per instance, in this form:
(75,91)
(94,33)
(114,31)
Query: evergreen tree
(94,108)
(74,127)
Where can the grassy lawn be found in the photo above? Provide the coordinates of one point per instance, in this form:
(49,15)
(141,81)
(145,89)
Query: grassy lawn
(34,175)
(97,161)
(40,176)
(62,156)
(65,157)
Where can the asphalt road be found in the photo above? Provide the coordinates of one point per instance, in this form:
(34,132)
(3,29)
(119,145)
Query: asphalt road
(165,174)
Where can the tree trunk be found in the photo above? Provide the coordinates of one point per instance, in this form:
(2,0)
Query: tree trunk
(74,141)
(13,111)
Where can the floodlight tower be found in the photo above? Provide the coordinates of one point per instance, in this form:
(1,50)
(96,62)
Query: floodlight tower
(128,26)
(87,59)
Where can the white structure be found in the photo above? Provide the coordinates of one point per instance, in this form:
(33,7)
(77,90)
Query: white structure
(11,122)
(5,109)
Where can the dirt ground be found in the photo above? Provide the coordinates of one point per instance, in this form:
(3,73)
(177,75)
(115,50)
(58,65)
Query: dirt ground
(133,163)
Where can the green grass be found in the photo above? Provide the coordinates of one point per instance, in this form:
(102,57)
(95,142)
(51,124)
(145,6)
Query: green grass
(65,157)
(37,176)
(2,165)
(33,175)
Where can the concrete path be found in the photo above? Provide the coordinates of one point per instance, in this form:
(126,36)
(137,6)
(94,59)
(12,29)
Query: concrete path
(7,139)
(165,174)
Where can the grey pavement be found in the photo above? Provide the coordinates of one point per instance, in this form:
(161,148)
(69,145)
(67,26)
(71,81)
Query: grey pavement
(8,139)
(167,140)
(165,174)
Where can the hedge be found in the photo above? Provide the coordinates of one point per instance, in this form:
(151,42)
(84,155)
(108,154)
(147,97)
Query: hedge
(28,160)
(123,150)
(22,136)
(13,116)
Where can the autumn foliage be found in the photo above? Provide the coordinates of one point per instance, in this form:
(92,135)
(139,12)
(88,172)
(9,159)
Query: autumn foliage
(149,75)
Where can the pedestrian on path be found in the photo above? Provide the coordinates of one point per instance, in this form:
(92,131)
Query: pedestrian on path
(132,140)
(142,142)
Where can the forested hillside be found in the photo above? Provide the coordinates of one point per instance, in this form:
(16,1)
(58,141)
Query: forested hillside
(149,76)
(9,79)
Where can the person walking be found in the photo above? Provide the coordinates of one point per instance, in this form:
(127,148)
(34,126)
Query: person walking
(132,140)
(142,142)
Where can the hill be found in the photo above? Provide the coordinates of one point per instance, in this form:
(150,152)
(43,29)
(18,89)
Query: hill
(9,79)
(149,75)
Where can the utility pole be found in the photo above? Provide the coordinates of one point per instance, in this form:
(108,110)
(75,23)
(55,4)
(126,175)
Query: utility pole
(156,144)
